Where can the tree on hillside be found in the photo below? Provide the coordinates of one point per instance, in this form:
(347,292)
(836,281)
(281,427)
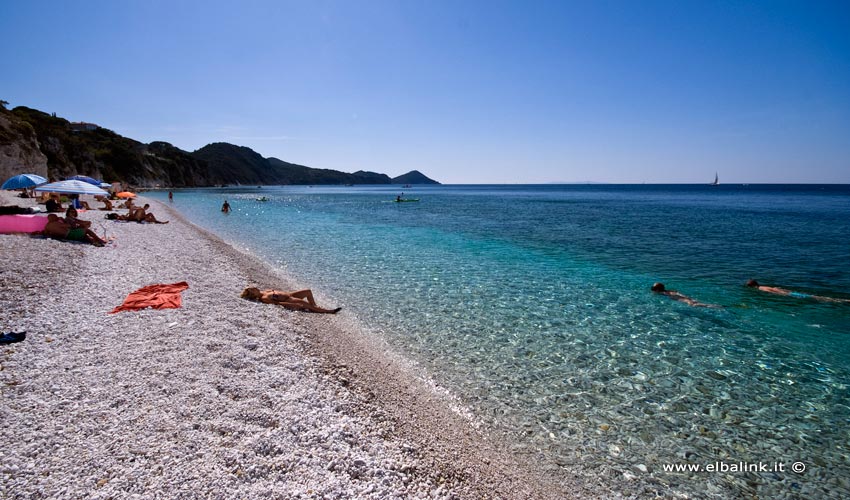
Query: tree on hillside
(3,103)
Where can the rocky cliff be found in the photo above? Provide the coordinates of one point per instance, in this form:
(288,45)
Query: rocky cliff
(19,149)
(32,141)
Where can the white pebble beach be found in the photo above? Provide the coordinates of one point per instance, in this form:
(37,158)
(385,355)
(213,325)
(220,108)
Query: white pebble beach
(222,397)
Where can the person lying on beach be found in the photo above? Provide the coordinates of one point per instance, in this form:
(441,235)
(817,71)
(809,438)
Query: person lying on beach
(58,228)
(661,290)
(71,218)
(790,293)
(302,300)
(107,205)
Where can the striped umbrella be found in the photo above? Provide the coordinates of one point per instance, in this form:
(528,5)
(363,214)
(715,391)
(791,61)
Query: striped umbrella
(71,187)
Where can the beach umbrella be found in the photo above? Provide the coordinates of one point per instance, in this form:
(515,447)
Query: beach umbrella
(71,187)
(105,185)
(126,194)
(84,178)
(23,181)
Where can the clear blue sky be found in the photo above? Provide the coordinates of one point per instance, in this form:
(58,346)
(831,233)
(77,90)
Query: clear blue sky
(465,91)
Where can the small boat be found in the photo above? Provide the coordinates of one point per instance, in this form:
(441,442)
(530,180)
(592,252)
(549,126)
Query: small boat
(716,180)
(403,200)
(407,186)
(262,198)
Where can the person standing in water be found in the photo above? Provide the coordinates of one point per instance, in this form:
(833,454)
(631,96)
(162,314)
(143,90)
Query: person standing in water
(170,196)
(226,207)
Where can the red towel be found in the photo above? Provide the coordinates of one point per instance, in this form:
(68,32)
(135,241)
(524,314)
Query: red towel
(155,296)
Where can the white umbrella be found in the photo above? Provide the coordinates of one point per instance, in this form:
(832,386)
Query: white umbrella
(71,187)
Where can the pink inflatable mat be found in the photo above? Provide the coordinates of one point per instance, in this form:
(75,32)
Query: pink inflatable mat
(10,224)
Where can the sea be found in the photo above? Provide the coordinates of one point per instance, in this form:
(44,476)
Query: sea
(532,305)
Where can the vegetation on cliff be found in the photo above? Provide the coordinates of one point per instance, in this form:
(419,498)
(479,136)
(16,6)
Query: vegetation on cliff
(101,153)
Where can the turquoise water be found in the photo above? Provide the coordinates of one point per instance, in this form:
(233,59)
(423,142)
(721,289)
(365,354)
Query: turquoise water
(532,304)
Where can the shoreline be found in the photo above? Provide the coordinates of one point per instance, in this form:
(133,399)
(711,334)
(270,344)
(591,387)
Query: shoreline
(223,372)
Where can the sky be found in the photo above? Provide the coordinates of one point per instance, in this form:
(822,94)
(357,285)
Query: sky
(466,92)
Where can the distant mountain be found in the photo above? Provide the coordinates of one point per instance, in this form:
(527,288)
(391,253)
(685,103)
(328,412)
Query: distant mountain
(413,177)
(32,141)
(290,173)
(229,164)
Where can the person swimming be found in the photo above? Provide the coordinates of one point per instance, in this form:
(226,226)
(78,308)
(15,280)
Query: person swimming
(791,293)
(660,289)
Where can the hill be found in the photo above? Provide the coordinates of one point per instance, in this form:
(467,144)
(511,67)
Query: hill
(36,142)
(413,177)
(103,154)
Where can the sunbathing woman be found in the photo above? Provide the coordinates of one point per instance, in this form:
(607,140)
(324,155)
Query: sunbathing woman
(302,300)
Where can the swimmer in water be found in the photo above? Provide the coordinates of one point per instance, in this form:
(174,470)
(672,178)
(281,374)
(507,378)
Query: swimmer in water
(661,290)
(790,293)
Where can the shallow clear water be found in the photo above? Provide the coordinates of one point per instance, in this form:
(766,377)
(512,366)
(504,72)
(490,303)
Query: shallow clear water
(532,304)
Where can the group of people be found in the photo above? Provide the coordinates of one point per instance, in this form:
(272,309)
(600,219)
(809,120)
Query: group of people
(660,289)
(71,228)
(54,203)
(138,214)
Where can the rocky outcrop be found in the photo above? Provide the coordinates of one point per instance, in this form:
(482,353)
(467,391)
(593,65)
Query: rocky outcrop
(19,148)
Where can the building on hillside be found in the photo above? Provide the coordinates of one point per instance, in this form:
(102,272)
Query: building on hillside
(83,126)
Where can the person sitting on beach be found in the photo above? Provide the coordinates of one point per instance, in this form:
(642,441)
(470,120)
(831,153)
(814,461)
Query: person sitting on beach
(660,289)
(76,202)
(107,205)
(127,204)
(141,215)
(302,300)
(226,207)
(53,204)
(73,221)
(790,293)
(58,228)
